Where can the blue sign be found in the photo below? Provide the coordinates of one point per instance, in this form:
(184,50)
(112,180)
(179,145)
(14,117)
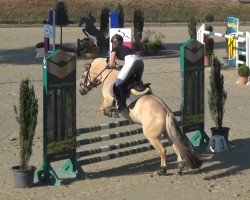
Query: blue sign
(232,29)
(232,25)
(114,20)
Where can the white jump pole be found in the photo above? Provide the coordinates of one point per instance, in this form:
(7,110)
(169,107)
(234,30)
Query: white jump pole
(247,35)
(244,37)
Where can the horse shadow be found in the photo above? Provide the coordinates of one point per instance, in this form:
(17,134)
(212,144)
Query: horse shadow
(136,168)
(232,162)
(145,167)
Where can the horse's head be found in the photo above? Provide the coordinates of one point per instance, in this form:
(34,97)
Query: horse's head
(82,21)
(92,75)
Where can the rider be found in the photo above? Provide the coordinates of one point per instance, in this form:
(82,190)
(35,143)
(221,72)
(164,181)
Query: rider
(128,55)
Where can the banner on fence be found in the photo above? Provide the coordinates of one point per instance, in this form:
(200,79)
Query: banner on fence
(232,29)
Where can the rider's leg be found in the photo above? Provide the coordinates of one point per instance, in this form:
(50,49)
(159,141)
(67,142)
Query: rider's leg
(121,78)
(139,68)
(120,93)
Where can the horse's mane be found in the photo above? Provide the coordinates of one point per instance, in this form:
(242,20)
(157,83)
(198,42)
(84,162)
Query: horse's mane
(99,61)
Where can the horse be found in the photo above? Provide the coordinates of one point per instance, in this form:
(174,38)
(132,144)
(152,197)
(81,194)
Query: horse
(149,110)
(90,30)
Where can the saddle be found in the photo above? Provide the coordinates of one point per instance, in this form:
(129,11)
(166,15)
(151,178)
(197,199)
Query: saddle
(133,93)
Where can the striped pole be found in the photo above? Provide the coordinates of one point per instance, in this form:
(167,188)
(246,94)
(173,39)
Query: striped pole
(104,126)
(111,147)
(112,125)
(118,154)
(202,31)
(247,34)
(238,37)
(235,37)
(109,137)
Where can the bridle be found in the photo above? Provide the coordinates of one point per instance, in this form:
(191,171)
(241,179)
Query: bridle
(88,84)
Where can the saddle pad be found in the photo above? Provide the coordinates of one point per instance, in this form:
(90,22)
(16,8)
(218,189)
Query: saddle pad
(131,98)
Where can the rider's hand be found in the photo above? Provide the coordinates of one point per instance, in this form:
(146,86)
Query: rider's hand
(108,66)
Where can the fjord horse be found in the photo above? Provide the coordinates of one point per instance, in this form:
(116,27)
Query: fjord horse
(150,111)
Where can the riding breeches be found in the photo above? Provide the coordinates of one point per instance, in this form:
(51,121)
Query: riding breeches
(129,61)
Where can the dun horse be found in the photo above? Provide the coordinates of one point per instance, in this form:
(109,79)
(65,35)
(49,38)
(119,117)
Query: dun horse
(151,112)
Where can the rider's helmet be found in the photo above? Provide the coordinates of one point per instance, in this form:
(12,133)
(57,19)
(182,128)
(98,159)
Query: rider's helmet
(117,40)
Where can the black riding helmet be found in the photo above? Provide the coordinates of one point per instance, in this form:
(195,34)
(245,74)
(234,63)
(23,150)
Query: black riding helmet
(117,40)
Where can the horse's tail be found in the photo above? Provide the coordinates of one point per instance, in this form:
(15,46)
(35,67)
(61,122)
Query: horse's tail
(174,132)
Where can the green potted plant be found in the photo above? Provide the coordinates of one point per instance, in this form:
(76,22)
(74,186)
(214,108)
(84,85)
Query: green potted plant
(26,116)
(153,46)
(138,30)
(243,72)
(152,42)
(119,9)
(62,18)
(209,17)
(192,27)
(87,48)
(216,99)
(104,21)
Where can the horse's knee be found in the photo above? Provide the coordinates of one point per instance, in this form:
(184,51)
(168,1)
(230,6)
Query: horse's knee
(106,103)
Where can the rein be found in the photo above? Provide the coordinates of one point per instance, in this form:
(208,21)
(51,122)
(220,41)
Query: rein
(95,82)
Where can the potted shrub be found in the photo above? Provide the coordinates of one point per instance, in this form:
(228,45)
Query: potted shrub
(138,30)
(87,48)
(152,42)
(26,116)
(243,72)
(216,99)
(153,46)
(192,27)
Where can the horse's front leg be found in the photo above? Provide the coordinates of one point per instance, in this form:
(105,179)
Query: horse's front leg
(106,103)
(108,109)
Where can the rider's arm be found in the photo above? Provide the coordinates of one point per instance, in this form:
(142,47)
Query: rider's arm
(112,59)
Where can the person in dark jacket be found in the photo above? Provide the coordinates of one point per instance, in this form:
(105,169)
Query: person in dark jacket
(122,52)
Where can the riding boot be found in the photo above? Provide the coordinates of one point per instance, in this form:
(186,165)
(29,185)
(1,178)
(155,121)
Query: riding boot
(121,98)
(139,72)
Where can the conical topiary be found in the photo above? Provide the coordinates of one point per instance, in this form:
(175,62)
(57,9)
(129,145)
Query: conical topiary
(192,27)
(217,95)
(26,116)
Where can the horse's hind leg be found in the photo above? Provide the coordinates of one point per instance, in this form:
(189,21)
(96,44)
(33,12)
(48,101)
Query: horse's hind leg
(180,163)
(155,141)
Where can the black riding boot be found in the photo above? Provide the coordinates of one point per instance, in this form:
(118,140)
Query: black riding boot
(121,98)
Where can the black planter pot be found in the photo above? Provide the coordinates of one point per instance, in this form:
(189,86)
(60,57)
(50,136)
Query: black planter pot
(224,131)
(23,178)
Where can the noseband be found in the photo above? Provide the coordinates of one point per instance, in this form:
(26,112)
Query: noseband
(84,86)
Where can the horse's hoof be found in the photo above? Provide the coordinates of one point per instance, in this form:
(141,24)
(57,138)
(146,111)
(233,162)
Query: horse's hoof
(116,114)
(179,172)
(106,112)
(162,171)
(180,168)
